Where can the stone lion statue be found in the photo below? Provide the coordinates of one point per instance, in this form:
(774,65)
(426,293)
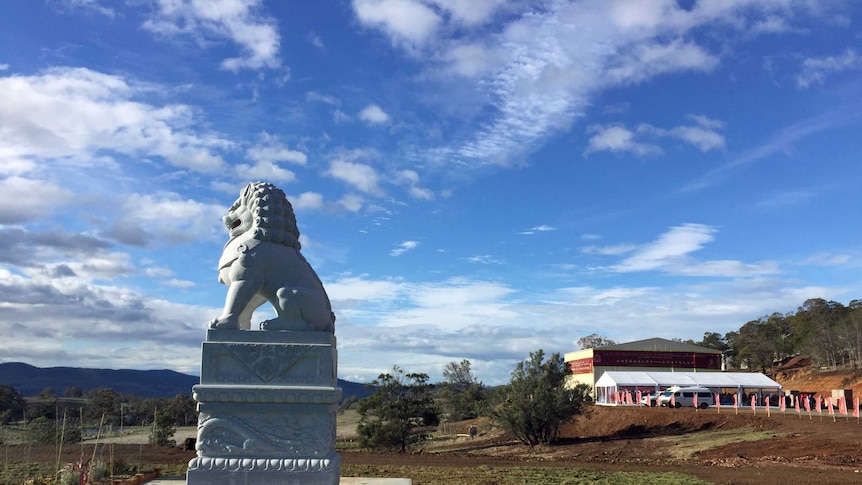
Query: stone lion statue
(261,262)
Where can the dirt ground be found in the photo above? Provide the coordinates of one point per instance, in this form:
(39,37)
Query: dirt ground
(709,444)
(790,449)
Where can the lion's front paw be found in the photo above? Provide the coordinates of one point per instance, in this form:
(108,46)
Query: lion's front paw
(224,323)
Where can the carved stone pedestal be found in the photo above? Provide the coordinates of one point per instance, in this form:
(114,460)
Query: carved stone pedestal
(267,402)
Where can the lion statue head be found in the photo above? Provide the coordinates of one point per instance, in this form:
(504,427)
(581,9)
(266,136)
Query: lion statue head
(263,209)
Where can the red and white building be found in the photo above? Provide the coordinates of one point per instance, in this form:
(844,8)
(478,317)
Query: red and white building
(655,354)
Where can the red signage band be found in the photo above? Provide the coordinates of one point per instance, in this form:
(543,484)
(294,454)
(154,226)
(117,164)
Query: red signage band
(629,358)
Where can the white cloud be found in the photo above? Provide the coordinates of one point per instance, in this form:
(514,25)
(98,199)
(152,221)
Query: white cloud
(359,175)
(351,202)
(828,259)
(267,171)
(373,114)
(166,218)
(269,149)
(670,254)
(483,259)
(407,21)
(617,138)
(470,13)
(609,250)
(86,6)
(26,200)
(307,201)
(669,248)
(542,228)
(411,179)
(815,69)
(403,247)
(76,112)
(705,140)
(237,20)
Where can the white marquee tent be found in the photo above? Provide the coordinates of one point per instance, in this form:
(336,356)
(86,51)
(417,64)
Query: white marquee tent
(729,382)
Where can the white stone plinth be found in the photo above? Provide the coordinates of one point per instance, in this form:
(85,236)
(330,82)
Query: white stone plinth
(267,402)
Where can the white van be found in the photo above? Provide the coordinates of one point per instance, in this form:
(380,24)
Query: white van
(684,397)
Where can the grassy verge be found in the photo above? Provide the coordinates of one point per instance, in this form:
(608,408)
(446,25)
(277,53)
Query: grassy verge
(485,475)
(687,445)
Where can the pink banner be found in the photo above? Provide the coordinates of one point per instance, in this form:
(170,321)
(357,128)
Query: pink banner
(753,402)
(856,407)
(717,401)
(796,401)
(829,406)
(735,401)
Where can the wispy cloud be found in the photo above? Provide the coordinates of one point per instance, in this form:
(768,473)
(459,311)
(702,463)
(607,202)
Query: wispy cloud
(670,253)
(816,69)
(403,247)
(780,141)
(374,115)
(542,228)
(642,141)
(483,259)
(240,21)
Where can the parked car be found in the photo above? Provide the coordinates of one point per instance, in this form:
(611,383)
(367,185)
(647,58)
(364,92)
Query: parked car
(684,397)
(650,399)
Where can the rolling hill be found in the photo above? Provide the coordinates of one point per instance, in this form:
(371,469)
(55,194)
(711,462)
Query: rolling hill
(30,380)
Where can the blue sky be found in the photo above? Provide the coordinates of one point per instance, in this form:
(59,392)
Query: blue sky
(472,180)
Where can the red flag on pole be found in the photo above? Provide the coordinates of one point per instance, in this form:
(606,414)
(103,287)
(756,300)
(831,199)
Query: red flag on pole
(807,403)
(796,401)
(735,401)
(717,401)
(673,400)
(616,397)
(842,405)
(782,403)
(753,402)
(829,406)
(856,407)
(694,401)
(817,405)
(640,396)
(649,400)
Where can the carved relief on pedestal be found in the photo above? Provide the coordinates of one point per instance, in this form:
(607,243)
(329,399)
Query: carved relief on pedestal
(277,435)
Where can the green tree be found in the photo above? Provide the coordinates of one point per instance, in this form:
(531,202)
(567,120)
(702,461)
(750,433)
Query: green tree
(712,340)
(44,404)
(594,340)
(461,395)
(183,409)
(164,428)
(398,414)
(11,404)
(104,402)
(536,402)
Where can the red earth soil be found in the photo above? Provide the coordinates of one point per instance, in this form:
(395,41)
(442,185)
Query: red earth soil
(818,449)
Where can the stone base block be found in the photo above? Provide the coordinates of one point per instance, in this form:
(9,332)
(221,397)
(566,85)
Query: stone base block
(264,471)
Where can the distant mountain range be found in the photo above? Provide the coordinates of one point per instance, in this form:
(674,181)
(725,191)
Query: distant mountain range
(30,381)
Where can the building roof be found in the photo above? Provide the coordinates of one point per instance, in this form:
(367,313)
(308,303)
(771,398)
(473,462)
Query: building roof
(660,345)
(748,380)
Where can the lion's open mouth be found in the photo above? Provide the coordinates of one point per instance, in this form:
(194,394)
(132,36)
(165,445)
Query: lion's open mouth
(234,224)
